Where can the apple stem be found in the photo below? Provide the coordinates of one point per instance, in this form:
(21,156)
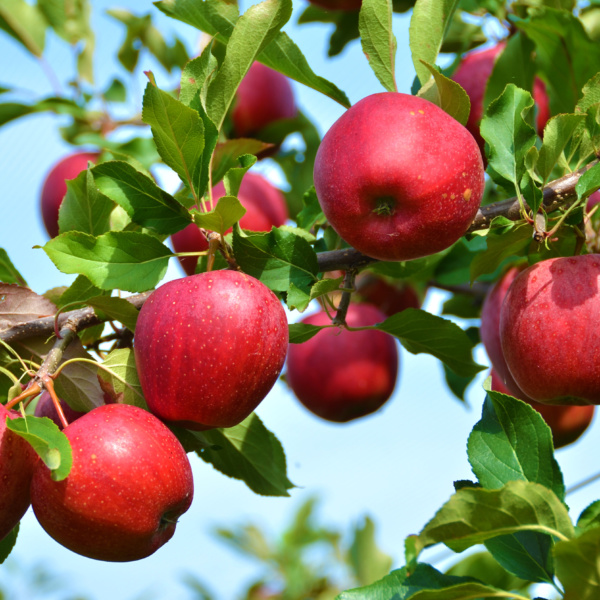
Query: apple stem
(49,385)
(340,315)
(31,390)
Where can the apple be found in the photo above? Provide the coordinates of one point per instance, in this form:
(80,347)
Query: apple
(398,178)
(547,330)
(55,186)
(567,423)
(592,200)
(387,297)
(209,347)
(265,208)
(130,482)
(17,462)
(473,74)
(263,97)
(342,375)
(45,408)
(338,4)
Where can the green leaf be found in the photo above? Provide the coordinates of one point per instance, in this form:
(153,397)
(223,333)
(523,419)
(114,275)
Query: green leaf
(233,177)
(557,133)
(12,110)
(428,26)
(420,331)
(116,91)
(118,309)
(302,332)
(195,78)
(144,201)
(248,451)
(8,272)
(7,543)
(500,246)
(368,562)
(228,153)
(311,213)
(588,182)
(456,384)
(282,54)
(84,208)
(474,515)
(577,566)
(70,20)
(277,258)
(25,23)
(378,40)
(121,362)
(50,444)
(590,517)
(509,137)
(226,213)
(178,132)
(252,32)
(463,591)
(79,291)
(297,299)
(447,94)
(125,260)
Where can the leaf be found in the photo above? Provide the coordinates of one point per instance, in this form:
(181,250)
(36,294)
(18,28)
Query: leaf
(125,260)
(590,517)
(178,132)
(233,178)
(462,591)
(49,442)
(277,258)
(7,543)
(121,362)
(195,78)
(253,31)
(474,515)
(79,291)
(226,213)
(588,182)
(577,566)
(302,332)
(20,304)
(378,40)
(25,23)
(118,309)
(368,562)
(8,272)
(249,452)
(420,331)
(282,54)
(508,136)
(428,26)
(227,154)
(84,208)
(447,94)
(144,201)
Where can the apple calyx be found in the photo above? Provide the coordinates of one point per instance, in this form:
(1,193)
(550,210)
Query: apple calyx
(385,206)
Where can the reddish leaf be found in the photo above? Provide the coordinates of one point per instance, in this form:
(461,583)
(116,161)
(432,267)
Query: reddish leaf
(20,304)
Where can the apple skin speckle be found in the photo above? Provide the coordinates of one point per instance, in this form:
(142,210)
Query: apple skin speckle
(216,372)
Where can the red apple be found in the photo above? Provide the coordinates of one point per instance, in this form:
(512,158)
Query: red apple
(398,178)
(567,423)
(209,347)
(130,481)
(17,462)
(338,4)
(548,333)
(265,208)
(592,200)
(387,297)
(45,408)
(55,186)
(263,97)
(342,375)
(473,74)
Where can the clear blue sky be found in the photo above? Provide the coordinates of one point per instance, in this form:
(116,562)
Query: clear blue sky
(398,465)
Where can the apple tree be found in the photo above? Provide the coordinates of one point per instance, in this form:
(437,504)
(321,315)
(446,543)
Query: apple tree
(488,168)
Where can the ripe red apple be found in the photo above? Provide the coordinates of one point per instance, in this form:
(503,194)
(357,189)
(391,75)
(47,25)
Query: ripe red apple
(338,4)
(387,297)
(265,208)
(17,462)
(567,423)
(548,333)
(592,200)
(45,408)
(473,74)
(209,347)
(263,97)
(398,178)
(130,481)
(55,186)
(342,375)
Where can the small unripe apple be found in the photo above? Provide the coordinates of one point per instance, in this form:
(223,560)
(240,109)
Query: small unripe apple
(567,423)
(265,208)
(55,186)
(473,74)
(45,408)
(398,178)
(130,482)
(17,462)
(209,347)
(263,97)
(548,333)
(342,375)
(389,298)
